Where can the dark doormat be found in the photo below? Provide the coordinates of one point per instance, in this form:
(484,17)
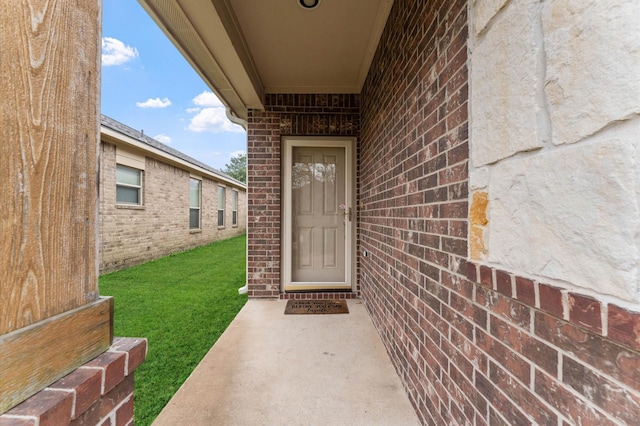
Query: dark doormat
(316,307)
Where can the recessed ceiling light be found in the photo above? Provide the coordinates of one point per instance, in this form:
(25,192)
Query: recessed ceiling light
(309,4)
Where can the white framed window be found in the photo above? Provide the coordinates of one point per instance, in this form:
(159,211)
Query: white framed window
(221,202)
(128,185)
(195,187)
(234,208)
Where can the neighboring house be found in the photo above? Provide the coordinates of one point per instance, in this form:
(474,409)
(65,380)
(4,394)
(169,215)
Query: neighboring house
(155,200)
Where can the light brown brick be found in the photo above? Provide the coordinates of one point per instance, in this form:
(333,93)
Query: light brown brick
(130,236)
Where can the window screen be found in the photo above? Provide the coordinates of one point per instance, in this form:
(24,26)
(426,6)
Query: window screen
(234,208)
(194,203)
(221,203)
(128,185)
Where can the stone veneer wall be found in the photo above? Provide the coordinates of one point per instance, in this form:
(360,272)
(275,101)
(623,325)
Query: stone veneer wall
(133,235)
(98,393)
(555,189)
(284,115)
(556,117)
(541,326)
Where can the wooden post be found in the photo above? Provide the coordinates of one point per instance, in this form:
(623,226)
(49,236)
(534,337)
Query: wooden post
(49,112)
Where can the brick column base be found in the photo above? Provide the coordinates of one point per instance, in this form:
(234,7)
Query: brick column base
(98,393)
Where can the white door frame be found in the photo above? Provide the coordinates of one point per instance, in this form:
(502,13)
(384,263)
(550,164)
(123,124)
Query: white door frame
(288,143)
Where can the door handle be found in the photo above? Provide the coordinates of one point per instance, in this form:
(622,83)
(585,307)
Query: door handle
(347,213)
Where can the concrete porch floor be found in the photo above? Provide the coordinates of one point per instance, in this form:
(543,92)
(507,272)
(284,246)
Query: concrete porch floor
(274,369)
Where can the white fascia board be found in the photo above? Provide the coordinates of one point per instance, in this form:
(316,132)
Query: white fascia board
(207,36)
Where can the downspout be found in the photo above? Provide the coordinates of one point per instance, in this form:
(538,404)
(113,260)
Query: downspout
(243,123)
(235,119)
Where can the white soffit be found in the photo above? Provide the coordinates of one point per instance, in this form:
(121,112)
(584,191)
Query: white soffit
(246,48)
(324,50)
(196,29)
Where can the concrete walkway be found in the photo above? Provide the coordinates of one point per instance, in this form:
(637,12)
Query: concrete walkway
(274,369)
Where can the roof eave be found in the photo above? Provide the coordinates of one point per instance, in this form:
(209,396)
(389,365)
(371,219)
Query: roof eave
(207,34)
(116,137)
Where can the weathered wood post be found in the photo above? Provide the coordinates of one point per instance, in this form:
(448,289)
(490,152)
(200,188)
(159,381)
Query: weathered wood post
(51,317)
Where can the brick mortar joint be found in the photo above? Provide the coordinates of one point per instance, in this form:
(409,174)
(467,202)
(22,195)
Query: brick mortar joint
(112,414)
(74,398)
(20,417)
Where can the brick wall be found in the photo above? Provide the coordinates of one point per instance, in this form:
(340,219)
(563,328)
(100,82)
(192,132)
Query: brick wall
(98,393)
(472,344)
(132,235)
(413,191)
(284,115)
(559,353)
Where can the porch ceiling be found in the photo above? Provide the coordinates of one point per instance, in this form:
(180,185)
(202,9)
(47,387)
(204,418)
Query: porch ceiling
(244,49)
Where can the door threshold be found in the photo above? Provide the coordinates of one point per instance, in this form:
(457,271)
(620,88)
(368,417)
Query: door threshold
(303,288)
(320,295)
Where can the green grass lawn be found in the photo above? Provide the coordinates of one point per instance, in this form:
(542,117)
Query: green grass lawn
(181,303)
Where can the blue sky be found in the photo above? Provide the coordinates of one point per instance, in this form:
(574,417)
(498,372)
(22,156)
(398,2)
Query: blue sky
(148,85)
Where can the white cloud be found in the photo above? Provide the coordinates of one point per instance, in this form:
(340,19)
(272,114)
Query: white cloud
(163,138)
(207,99)
(154,103)
(115,52)
(210,115)
(212,120)
(236,153)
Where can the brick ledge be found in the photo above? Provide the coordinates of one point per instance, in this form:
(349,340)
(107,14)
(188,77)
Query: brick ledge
(616,323)
(75,394)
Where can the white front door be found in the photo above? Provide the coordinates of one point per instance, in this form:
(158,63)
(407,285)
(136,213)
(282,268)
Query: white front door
(318,214)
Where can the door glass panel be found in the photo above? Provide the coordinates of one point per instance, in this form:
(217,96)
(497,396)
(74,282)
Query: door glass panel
(318,223)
